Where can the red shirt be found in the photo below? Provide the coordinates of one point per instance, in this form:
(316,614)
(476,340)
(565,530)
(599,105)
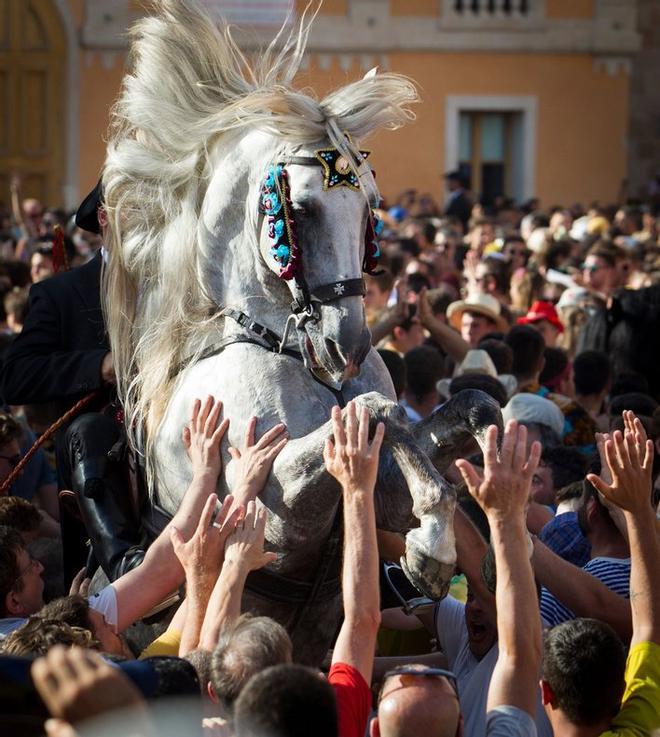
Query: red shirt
(353,697)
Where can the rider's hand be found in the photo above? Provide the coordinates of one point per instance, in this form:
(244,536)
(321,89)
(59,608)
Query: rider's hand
(202,437)
(201,557)
(351,459)
(252,463)
(503,492)
(629,462)
(108,369)
(245,545)
(80,584)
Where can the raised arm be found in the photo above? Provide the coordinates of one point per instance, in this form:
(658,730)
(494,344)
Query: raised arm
(244,552)
(503,493)
(630,462)
(160,573)
(353,461)
(201,558)
(445,336)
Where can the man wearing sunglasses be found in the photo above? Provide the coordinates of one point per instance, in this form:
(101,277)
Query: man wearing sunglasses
(424,701)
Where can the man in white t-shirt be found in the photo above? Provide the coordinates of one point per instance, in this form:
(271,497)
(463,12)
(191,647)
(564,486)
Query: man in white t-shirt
(469,640)
(416,700)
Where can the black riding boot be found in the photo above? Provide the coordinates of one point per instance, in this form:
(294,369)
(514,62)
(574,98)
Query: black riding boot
(100,482)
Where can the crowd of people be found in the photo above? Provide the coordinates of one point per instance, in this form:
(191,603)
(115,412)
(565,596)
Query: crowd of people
(552,623)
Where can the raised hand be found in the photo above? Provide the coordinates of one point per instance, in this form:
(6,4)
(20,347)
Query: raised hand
(351,459)
(629,465)
(202,555)
(503,491)
(202,437)
(254,460)
(245,545)
(78,684)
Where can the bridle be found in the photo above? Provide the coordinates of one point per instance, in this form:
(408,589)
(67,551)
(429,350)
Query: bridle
(275,205)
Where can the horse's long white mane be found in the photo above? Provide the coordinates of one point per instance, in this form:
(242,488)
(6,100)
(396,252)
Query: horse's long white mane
(189,86)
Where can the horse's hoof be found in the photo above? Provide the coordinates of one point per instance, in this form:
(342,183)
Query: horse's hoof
(429,576)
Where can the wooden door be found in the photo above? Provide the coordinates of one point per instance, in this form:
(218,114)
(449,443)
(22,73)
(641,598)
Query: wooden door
(32,99)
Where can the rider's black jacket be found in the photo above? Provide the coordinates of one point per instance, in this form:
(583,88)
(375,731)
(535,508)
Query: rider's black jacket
(57,358)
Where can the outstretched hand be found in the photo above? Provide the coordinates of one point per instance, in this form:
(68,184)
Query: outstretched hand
(626,477)
(254,460)
(202,436)
(245,545)
(201,557)
(78,684)
(503,491)
(350,458)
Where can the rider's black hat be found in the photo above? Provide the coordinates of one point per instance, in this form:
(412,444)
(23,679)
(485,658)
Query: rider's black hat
(87,216)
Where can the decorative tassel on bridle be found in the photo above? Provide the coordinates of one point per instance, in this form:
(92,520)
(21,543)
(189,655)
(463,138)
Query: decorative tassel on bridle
(60,258)
(275,203)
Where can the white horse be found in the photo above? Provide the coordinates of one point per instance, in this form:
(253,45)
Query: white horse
(200,284)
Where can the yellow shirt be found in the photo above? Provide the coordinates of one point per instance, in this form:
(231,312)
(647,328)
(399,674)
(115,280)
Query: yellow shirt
(640,709)
(167,644)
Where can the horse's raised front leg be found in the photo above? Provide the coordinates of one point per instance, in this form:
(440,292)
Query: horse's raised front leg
(444,434)
(408,487)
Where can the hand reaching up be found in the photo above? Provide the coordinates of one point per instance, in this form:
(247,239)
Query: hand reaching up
(254,460)
(201,557)
(202,437)
(245,546)
(78,684)
(350,458)
(626,476)
(504,489)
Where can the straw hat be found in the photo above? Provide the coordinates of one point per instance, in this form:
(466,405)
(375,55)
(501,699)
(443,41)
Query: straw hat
(477,361)
(480,304)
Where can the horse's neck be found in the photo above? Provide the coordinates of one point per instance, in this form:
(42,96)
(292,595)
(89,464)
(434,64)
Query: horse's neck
(259,297)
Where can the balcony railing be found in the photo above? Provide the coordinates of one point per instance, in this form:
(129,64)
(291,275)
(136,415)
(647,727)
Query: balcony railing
(506,8)
(490,13)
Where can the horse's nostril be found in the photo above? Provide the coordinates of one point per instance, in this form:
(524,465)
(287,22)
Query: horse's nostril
(335,352)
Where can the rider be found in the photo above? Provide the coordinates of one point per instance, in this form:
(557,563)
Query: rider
(61,356)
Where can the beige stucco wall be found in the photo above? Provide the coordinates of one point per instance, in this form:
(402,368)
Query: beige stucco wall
(582,110)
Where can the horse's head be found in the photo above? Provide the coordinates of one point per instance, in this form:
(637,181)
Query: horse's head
(318,235)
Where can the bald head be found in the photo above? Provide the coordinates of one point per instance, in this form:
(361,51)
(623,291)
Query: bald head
(417,705)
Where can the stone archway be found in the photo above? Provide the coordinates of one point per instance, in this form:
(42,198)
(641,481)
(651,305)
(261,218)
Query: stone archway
(33,99)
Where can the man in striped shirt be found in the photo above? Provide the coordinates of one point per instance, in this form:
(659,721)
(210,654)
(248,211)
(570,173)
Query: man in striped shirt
(610,556)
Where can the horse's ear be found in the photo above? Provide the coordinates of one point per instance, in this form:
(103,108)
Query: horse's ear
(371,74)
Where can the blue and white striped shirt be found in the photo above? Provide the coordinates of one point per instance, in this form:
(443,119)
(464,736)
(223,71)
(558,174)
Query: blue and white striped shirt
(613,572)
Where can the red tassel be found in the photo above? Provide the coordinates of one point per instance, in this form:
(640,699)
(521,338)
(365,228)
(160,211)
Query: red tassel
(60,260)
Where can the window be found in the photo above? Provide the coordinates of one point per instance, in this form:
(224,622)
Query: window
(485,152)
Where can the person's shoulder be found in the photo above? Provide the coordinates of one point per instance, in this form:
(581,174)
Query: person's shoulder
(640,708)
(344,674)
(644,656)
(509,721)
(603,565)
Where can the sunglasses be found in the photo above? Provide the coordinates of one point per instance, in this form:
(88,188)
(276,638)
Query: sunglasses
(592,268)
(411,670)
(13,461)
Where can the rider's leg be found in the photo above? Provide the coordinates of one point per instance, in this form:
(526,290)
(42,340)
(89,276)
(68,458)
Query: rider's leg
(99,481)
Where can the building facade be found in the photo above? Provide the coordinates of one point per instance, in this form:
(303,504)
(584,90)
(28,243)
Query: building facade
(527,97)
